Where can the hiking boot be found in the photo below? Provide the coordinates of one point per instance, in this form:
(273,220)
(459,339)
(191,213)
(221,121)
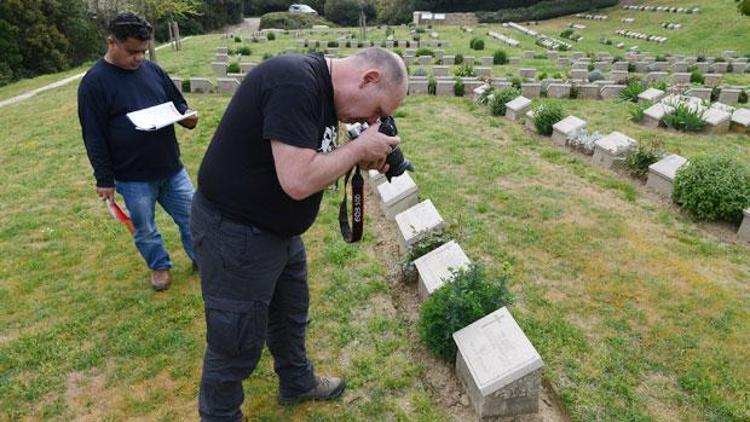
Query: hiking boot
(160,279)
(327,388)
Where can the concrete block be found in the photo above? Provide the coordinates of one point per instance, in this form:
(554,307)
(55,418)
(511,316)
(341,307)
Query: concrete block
(417,222)
(531,90)
(656,77)
(558,90)
(227,85)
(567,128)
(435,268)
(680,78)
(619,76)
(611,150)
(448,60)
(744,231)
(729,96)
(398,195)
(610,92)
(487,61)
(661,174)
(517,107)
(177,83)
(579,74)
(418,86)
(717,121)
(653,115)
(702,93)
(445,87)
(201,86)
(375,179)
(247,67)
(740,121)
(439,71)
(589,92)
(219,69)
(529,73)
(483,72)
(712,79)
(498,366)
(652,94)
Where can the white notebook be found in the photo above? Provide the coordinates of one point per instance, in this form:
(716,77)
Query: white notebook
(157,117)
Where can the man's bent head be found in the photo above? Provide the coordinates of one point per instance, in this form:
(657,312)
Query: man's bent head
(128,40)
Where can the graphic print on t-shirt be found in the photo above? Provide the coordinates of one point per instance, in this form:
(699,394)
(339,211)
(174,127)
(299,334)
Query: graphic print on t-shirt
(326,144)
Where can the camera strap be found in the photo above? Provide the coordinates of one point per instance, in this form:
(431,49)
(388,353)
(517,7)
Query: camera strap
(353,233)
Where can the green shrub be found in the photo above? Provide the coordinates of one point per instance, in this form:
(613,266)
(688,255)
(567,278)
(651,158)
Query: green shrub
(631,92)
(476,43)
(715,187)
(696,77)
(186,85)
(501,97)
(332,44)
(458,58)
(499,57)
(267,56)
(542,76)
(245,51)
(662,85)
(685,117)
(422,51)
(458,88)
(423,246)
(635,112)
(233,68)
(539,10)
(660,58)
(286,20)
(743,97)
(343,12)
(566,33)
(271,36)
(595,75)
(516,82)
(431,86)
(237,39)
(644,155)
(464,69)
(458,303)
(546,115)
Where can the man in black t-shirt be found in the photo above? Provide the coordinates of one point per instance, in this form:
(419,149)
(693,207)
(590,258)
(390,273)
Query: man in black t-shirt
(259,188)
(144,167)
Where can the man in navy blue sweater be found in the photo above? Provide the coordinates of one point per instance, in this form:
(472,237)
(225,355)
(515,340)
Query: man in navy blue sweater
(144,167)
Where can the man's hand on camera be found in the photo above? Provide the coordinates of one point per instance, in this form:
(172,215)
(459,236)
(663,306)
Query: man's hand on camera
(380,165)
(105,193)
(375,146)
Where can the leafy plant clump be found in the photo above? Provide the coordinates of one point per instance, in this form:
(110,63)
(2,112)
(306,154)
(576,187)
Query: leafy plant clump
(500,57)
(713,187)
(244,51)
(635,113)
(464,69)
(422,51)
(458,59)
(458,87)
(270,36)
(631,92)
(545,116)
(432,86)
(643,156)
(233,68)
(476,43)
(424,245)
(470,296)
(685,117)
(696,77)
(501,97)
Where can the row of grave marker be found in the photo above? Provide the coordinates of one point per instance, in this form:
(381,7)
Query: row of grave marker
(611,150)
(496,363)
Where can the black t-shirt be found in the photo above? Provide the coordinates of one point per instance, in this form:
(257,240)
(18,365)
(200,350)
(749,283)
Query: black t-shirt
(116,149)
(288,98)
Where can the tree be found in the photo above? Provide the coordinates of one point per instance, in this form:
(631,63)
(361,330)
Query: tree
(744,7)
(157,10)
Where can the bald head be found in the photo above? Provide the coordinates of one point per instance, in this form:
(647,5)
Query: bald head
(393,68)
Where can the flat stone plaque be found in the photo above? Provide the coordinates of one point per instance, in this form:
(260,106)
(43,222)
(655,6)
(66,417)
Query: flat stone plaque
(494,355)
(661,174)
(567,128)
(398,195)
(418,221)
(435,267)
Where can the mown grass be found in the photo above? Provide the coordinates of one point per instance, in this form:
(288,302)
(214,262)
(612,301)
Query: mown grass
(638,313)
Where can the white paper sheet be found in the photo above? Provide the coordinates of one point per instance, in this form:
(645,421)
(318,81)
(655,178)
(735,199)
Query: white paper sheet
(157,117)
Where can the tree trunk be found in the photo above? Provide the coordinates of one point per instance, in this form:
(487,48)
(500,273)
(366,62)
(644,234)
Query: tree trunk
(151,50)
(172,41)
(177,38)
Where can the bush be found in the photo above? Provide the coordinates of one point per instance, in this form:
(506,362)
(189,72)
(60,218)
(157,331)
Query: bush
(343,12)
(499,57)
(630,92)
(476,43)
(713,188)
(267,56)
(233,68)
(566,33)
(458,58)
(595,75)
(539,11)
(458,88)
(662,85)
(636,111)
(516,82)
(425,245)
(237,39)
(542,76)
(332,44)
(271,36)
(245,51)
(743,97)
(422,51)
(464,69)
(685,117)
(286,20)
(696,77)
(431,86)
(186,85)
(545,116)
(501,97)
(458,303)
(643,156)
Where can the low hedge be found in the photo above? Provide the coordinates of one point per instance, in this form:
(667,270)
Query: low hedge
(543,10)
(286,20)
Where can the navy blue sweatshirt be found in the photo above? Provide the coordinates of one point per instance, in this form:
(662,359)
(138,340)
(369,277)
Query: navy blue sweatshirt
(115,148)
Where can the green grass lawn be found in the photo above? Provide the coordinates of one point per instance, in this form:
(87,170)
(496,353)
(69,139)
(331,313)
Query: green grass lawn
(639,312)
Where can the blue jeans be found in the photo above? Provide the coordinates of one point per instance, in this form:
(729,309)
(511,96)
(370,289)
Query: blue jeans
(175,195)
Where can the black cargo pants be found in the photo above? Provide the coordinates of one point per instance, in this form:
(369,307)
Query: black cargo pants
(254,287)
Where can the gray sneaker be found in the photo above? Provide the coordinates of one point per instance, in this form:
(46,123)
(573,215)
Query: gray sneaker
(327,388)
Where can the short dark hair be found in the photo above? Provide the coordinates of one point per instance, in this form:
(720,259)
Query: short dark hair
(129,25)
